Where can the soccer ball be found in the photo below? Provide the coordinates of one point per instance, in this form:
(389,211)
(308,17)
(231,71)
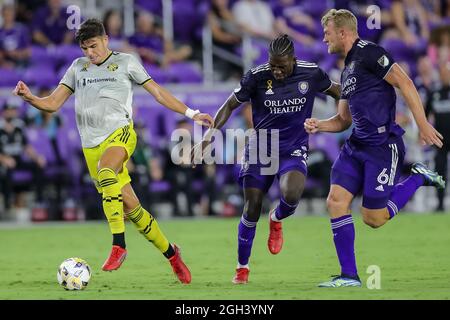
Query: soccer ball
(74,274)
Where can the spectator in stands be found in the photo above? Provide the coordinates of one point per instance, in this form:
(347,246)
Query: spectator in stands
(426,78)
(226,35)
(181,175)
(293,21)
(256,18)
(51,122)
(411,25)
(26,8)
(149,43)
(438,105)
(13,147)
(148,39)
(154,7)
(439,48)
(50,25)
(144,166)
(14,40)
(112,20)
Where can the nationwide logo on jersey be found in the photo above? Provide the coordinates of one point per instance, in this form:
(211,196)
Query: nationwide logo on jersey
(303,87)
(383,61)
(269,87)
(85,66)
(112,67)
(379,188)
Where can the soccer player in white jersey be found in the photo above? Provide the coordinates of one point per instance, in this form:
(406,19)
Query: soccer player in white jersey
(102,83)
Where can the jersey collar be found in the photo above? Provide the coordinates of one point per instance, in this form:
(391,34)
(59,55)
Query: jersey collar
(109,55)
(352,50)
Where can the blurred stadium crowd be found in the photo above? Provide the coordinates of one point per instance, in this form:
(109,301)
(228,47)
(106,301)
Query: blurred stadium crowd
(199,49)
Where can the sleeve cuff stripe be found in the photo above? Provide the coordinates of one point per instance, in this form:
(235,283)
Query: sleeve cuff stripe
(389,70)
(65,85)
(331,84)
(237,98)
(142,83)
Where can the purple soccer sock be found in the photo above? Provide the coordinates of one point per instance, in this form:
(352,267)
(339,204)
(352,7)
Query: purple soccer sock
(403,191)
(246,234)
(344,241)
(284,209)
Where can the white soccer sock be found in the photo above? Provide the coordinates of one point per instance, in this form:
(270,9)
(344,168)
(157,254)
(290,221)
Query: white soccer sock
(239,266)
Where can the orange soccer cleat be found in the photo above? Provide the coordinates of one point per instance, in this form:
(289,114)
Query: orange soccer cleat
(275,241)
(115,259)
(179,268)
(241,276)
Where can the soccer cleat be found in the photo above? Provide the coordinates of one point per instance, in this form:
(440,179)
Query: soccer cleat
(275,241)
(341,281)
(431,178)
(179,268)
(241,276)
(115,259)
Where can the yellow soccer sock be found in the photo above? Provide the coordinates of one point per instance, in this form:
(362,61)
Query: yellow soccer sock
(147,225)
(112,200)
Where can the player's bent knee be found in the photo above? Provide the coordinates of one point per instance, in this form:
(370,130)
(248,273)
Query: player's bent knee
(292,198)
(374,219)
(336,204)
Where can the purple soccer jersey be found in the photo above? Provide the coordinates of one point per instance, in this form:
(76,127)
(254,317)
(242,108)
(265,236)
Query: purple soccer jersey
(371,99)
(371,159)
(54,28)
(14,38)
(283,106)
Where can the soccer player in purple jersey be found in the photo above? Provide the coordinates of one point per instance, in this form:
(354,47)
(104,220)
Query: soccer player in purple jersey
(282,94)
(371,159)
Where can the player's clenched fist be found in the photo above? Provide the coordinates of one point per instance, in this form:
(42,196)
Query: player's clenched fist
(311,125)
(204,119)
(23,91)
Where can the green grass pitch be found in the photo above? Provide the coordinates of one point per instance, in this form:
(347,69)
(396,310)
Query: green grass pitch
(412,252)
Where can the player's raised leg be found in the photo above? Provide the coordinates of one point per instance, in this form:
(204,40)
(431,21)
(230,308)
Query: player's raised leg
(147,225)
(291,185)
(111,162)
(384,196)
(246,231)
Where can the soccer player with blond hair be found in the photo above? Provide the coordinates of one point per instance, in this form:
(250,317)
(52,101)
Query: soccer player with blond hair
(102,83)
(371,159)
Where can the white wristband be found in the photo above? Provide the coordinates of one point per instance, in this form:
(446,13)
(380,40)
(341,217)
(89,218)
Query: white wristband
(191,113)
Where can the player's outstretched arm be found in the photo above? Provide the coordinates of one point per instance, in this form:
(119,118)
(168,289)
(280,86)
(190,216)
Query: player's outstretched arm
(399,79)
(337,123)
(165,98)
(334,91)
(50,103)
(221,117)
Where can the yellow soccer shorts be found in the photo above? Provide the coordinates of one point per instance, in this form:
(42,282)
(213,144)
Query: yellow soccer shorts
(122,137)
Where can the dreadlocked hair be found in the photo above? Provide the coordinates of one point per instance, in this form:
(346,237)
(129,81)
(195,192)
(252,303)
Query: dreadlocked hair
(281,46)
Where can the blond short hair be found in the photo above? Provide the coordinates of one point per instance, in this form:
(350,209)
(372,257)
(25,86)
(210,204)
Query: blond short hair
(342,18)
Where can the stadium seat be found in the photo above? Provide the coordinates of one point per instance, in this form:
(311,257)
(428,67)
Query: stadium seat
(41,76)
(9,77)
(185,72)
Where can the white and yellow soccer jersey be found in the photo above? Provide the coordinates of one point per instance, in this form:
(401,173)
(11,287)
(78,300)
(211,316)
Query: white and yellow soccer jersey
(103,94)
